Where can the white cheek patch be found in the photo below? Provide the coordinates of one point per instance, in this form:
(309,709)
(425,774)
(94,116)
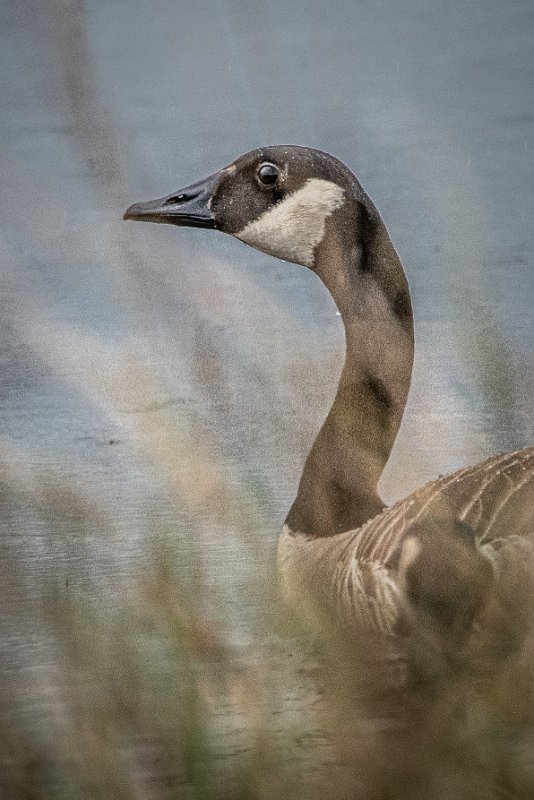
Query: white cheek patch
(293,228)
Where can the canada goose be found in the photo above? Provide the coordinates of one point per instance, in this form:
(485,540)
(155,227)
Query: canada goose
(446,548)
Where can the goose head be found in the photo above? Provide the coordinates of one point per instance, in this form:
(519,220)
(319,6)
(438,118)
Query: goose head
(277,199)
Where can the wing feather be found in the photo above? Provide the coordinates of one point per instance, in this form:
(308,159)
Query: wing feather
(493,502)
(495,499)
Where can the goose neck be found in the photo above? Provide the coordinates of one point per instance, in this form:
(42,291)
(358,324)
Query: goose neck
(339,486)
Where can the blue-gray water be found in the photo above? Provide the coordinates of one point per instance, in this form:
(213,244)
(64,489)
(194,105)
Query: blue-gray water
(175,379)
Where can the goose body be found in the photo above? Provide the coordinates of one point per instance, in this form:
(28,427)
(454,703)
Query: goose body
(457,548)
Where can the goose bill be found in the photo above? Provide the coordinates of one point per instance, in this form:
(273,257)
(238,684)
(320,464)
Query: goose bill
(189,206)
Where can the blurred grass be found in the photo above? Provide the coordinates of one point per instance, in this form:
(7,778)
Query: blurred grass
(139,694)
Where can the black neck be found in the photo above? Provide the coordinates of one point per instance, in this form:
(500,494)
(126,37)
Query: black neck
(358,264)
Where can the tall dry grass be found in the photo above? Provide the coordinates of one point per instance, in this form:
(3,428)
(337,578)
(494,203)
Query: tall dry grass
(140,693)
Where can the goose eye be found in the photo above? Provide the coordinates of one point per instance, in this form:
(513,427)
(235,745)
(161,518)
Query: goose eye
(268,174)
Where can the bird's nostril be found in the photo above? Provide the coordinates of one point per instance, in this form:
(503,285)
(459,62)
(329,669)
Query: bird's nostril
(177,198)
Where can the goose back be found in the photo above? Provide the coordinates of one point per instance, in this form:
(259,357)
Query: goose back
(483,512)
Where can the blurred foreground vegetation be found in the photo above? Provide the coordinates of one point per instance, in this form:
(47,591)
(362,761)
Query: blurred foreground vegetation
(140,694)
